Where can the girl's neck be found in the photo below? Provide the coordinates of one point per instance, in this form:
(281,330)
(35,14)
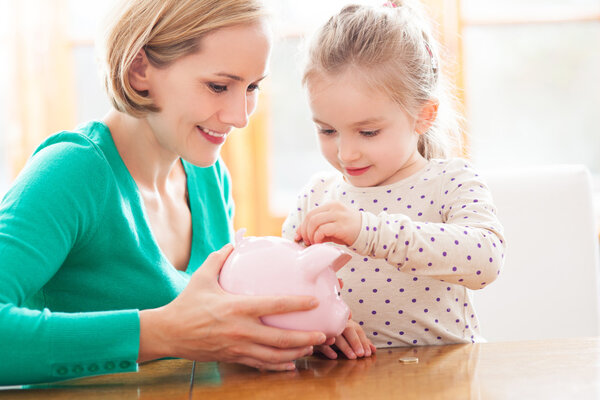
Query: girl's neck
(415,163)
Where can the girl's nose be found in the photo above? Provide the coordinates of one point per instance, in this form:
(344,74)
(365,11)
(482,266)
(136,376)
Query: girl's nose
(348,150)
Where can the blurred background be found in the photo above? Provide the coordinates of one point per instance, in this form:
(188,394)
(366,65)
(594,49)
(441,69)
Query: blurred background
(526,72)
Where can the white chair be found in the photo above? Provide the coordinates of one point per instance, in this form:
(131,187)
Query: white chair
(548,287)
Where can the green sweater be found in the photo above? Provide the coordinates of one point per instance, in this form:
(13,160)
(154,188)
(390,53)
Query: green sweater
(78,259)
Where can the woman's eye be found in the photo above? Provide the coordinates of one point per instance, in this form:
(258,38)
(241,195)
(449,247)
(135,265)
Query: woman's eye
(217,88)
(253,87)
(369,133)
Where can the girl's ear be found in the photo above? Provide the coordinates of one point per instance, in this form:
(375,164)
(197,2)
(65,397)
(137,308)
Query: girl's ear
(427,116)
(138,72)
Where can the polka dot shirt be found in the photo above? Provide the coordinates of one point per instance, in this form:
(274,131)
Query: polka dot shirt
(425,242)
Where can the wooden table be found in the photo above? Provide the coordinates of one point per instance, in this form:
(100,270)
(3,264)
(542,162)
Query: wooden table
(549,369)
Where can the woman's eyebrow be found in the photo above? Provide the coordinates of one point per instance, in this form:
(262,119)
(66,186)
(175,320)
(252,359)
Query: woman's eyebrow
(237,78)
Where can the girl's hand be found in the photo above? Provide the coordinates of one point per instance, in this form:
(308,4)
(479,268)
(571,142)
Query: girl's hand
(330,222)
(352,342)
(205,323)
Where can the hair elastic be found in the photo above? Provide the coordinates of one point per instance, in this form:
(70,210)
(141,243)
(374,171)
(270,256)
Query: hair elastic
(434,65)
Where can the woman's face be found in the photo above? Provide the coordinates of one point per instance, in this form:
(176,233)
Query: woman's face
(203,96)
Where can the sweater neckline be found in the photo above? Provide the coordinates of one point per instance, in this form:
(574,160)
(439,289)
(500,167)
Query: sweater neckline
(134,189)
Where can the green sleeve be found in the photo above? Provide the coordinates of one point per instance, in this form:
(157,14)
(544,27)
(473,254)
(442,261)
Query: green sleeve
(54,206)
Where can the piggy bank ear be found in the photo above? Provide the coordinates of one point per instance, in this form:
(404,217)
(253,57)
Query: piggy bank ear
(314,259)
(239,235)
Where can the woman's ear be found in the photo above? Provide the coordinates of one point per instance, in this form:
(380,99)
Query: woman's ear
(138,72)
(427,116)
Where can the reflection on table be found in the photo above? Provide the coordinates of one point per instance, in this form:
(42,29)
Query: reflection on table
(549,369)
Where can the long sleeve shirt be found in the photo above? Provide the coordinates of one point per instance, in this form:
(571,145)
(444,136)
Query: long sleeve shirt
(425,241)
(78,259)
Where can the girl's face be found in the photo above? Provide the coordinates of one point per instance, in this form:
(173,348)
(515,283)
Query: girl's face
(362,133)
(203,96)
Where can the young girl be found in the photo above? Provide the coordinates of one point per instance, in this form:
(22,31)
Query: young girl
(422,227)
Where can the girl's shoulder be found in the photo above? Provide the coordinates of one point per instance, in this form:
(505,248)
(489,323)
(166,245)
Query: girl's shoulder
(324,179)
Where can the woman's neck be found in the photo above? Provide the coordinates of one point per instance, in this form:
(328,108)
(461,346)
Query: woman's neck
(151,165)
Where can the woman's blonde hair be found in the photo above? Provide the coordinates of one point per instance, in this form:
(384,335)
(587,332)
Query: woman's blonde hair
(394,46)
(166,30)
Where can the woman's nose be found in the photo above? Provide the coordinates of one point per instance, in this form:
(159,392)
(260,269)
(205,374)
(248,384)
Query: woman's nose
(235,112)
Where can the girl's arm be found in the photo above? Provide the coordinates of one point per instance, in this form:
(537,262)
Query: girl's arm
(467,248)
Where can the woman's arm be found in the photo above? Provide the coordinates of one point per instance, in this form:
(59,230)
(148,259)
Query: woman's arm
(205,323)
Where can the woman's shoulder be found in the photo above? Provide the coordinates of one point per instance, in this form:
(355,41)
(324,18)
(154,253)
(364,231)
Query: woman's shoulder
(69,158)
(86,142)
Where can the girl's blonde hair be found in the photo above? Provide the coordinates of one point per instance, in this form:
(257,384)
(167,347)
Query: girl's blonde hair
(395,47)
(166,30)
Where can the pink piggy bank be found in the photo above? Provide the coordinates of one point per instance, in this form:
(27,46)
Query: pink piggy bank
(275,266)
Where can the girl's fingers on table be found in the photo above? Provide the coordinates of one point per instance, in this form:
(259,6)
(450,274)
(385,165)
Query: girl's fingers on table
(354,341)
(345,347)
(327,351)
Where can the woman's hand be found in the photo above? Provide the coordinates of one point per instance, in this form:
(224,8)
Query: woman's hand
(205,323)
(352,342)
(330,222)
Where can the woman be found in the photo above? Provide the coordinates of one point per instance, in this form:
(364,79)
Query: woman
(100,233)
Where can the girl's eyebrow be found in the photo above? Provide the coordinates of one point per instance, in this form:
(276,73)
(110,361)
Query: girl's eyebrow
(367,121)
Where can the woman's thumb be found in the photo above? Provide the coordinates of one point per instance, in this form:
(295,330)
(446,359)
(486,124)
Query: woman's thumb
(214,262)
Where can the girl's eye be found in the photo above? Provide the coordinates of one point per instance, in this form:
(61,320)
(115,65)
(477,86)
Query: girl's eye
(217,88)
(326,132)
(369,133)
(253,88)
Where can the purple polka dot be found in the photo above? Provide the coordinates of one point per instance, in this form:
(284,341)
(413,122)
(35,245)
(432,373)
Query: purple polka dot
(414,300)
(401,290)
(425,310)
(469,258)
(387,322)
(373,312)
(478,272)
(360,301)
(401,333)
(400,312)
(374,200)
(374,290)
(444,254)
(453,268)
(375,333)
(361,323)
